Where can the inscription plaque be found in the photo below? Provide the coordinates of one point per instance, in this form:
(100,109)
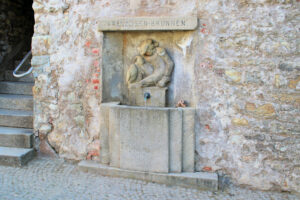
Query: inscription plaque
(147,23)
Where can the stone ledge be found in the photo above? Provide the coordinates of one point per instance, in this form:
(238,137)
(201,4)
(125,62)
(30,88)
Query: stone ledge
(147,23)
(198,180)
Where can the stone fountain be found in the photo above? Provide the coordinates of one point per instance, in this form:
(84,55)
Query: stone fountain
(144,135)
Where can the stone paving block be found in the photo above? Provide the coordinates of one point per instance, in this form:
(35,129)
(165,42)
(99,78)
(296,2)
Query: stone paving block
(57,179)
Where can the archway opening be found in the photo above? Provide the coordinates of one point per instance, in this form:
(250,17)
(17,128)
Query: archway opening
(16,30)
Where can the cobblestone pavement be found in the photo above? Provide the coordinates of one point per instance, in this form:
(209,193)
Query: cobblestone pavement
(44,178)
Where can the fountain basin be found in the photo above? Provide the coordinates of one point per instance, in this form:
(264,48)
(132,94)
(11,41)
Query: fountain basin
(147,139)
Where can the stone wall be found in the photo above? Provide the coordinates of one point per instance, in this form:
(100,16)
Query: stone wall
(246,82)
(16,29)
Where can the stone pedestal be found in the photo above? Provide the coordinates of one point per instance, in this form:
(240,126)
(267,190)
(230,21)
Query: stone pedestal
(143,139)
(157,96)
(197,180)
(150,144)
(148,139)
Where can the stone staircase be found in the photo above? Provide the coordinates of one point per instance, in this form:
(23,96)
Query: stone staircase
(16,120)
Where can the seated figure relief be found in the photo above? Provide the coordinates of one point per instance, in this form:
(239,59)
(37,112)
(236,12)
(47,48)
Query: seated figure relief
(153,67)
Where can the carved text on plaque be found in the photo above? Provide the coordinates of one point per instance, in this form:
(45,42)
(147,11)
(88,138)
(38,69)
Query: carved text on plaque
(147,23)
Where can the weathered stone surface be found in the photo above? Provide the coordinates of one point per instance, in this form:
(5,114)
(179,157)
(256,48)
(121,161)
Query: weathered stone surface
(134,129)
(254,41)
(15,156)
(112,69)
(294,84)
(69,180)
(240,121)
(40,45)
(16,102)
(46,150)
(199,180)
(176,142)
(16,118)
(7,87)
(233,75)
(114,137)
(148,23)
(45,129)
(157,98)
(221,102)
(153,67)
(120,48)
(104,134)
(16,137)
(40,60)
(144,139)
(188,142)
(266,110)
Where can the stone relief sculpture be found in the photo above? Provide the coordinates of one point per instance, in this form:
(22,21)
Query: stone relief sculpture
(153,67)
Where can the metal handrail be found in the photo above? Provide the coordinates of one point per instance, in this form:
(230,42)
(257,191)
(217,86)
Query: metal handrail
(20,65)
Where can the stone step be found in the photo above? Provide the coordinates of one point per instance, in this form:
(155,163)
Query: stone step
(15,156)
(16,102)
(8,76)
(16,137)
(9,87)
(197,180)
(16,118)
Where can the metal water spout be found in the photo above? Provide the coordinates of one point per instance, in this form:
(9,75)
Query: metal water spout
(146,97)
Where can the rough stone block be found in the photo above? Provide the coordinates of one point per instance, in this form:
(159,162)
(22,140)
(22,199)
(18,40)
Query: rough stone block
(104,131)
(199,180)
(16,118)
(16,137)
(40,60)
(40,45)
(16,102)
(8,87)
(112,68)
(144,139)
(148,139)
(157,96)
(175,140)
(15,156)
(114,136)
(188,156)
(41,29)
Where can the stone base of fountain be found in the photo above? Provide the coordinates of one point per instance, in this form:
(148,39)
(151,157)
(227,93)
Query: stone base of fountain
(147,139)
(149,143)
(197,180)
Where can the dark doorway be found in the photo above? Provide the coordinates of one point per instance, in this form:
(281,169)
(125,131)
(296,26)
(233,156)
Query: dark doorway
(16,30)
